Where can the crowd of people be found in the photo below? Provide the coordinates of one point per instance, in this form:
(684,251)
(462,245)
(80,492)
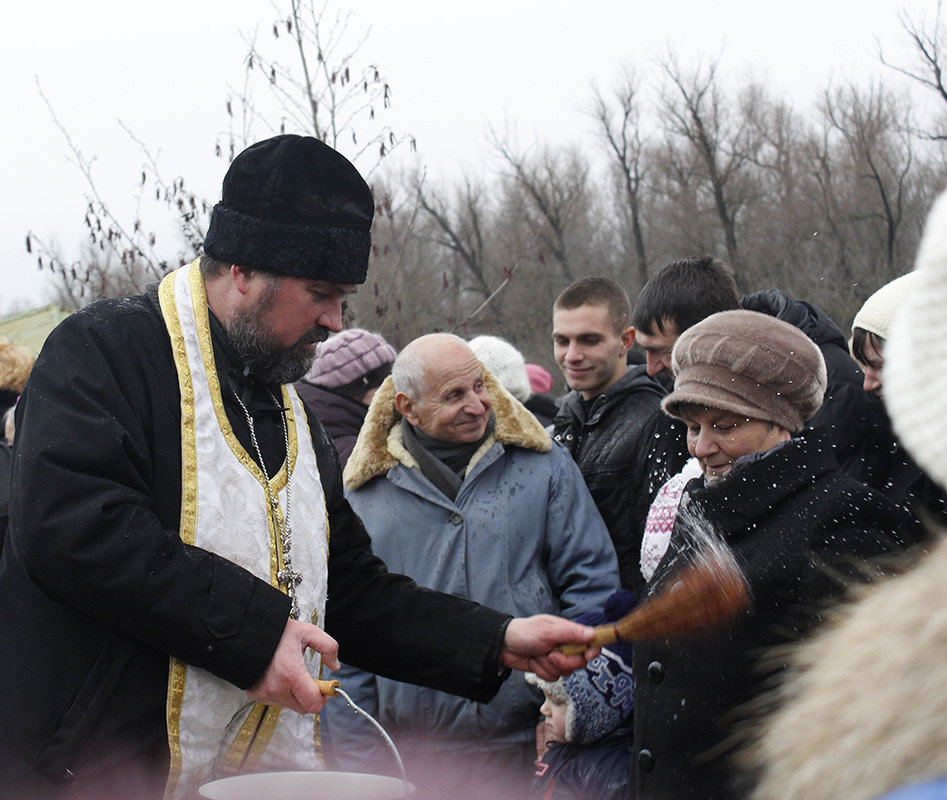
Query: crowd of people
(217,495)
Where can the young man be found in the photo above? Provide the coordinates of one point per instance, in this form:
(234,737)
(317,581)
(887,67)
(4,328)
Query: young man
(688,290)
(680,295)
(612,421)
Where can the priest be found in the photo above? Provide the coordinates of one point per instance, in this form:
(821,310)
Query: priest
(181,560)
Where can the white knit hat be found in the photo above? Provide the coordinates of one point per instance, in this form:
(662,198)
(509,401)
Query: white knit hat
(505,362)
(879,309)
(915,368)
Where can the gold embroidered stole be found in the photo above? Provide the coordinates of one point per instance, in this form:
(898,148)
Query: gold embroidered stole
(213,730)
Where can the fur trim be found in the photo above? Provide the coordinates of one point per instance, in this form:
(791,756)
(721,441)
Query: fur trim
(379,448)
(555,689)
(915,369)
(864,706)
(334,254)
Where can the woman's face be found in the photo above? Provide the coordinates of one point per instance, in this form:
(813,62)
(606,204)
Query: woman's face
(717,438)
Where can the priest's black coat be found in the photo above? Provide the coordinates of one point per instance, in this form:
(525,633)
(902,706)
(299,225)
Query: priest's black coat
(97,589)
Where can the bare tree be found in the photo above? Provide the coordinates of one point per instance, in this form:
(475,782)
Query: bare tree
(930,47)
(872,127)
(460,229)
(694,110)
(554,194)
(317,85)
(318,90)
(620,127)
(93,277)
(123,246)
(779,219)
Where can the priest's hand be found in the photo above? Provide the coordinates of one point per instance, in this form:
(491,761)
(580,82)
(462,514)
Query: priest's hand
(286,682)
(530,641)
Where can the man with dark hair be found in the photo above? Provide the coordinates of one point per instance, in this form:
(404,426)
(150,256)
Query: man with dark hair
(690,289)
(612,421)
(682,294)
(170,587)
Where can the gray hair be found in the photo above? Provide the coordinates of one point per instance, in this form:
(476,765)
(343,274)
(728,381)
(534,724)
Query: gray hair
(408,371)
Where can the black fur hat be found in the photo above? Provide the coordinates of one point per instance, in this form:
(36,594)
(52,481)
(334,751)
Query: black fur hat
(293,206)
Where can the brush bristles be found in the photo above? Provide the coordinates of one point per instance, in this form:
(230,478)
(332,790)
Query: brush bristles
(705,594)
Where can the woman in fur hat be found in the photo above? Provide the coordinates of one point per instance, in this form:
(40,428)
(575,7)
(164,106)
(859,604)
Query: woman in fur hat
(745,385)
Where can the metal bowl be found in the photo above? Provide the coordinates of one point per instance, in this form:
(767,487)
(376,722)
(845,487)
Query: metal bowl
(306,786)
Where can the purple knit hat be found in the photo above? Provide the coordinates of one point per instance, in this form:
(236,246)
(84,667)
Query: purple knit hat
(347,356)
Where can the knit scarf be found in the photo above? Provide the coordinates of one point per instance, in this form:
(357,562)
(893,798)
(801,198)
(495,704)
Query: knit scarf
(442,463)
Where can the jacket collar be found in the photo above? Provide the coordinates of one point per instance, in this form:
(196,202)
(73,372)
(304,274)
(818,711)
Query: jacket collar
(761,485)
(635,379)
(379,446)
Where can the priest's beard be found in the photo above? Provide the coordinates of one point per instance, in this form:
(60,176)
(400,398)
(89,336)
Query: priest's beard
(251,335)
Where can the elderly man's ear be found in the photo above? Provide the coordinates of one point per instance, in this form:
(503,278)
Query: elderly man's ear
(404,405)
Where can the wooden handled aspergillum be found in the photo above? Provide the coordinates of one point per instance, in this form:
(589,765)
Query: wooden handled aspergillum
(328,688)
(706,593)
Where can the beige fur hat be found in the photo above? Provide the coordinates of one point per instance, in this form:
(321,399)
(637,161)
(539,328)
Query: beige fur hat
(915,369)
(879,309)
(751,364)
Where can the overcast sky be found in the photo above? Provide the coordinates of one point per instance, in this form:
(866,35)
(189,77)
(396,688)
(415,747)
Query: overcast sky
(455,69)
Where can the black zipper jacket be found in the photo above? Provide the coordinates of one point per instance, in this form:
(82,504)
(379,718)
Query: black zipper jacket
(626,448)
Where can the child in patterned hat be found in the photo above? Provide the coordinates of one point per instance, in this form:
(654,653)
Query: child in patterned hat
(587,752)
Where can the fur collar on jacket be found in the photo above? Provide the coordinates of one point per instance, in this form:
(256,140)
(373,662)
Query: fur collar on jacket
(379,446)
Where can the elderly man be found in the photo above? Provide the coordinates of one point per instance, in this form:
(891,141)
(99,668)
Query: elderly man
(177,521)
(462,489)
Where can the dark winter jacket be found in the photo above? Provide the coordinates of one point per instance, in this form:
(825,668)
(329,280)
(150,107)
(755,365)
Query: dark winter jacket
(340,416)
(853,422)
(887,467)
(626,448)
(97,588)
(598,771)
(544,408)
(6,455)
(795,523)
(847,417)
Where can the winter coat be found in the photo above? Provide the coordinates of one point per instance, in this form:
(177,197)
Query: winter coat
(522,536)
(853,422)
(544,408)
(886,466)
(864,703)
(97,588)
(847,413)
(626,448)
(6,456)
(598,771)
(340,416)
(795,523)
